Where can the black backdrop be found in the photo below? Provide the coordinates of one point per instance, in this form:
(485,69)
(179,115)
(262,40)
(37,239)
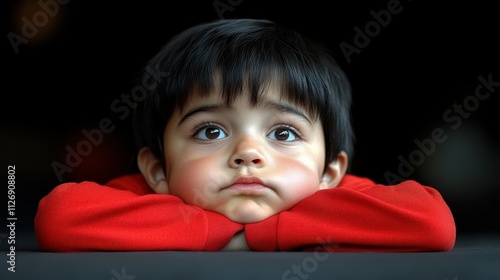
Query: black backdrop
(415,67)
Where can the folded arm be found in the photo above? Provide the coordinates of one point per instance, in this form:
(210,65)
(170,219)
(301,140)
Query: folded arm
(92,217)
(360,216)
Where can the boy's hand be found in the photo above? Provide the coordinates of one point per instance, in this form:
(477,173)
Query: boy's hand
(237,243)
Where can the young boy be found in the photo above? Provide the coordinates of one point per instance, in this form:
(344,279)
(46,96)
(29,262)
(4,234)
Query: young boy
(244,144)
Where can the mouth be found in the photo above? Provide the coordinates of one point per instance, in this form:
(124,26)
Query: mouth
(247,183)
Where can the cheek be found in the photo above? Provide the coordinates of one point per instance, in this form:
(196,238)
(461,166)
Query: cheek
(193,180)
(299,179)
(304,165)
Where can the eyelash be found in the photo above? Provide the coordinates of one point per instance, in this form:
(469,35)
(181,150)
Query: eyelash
(206,124)
(203,125)
(291,128)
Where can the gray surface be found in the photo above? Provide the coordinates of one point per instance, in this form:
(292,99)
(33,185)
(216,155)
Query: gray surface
(476,257)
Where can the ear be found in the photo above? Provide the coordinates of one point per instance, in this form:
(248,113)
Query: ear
(152,170)
(334,172)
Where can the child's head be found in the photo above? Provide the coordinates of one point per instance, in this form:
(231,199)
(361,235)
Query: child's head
(248,119)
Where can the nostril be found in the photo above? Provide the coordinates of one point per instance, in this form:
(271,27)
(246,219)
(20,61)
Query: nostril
(241,161)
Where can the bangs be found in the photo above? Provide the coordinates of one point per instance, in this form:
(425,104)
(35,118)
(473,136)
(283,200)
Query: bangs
(247,64)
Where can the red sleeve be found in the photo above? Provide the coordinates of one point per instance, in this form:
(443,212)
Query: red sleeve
(360,215)
(90,217)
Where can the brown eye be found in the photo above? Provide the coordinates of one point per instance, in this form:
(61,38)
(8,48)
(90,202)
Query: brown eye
(284,134)
(210,133)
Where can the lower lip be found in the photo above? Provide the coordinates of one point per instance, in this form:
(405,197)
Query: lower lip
(254,187)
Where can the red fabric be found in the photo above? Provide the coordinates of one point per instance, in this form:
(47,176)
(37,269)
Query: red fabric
(358,215)
(125,215)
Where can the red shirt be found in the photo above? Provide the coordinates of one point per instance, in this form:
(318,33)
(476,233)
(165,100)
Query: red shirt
(358,215)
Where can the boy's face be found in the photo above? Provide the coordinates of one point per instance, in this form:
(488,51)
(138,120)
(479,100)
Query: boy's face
(243,161)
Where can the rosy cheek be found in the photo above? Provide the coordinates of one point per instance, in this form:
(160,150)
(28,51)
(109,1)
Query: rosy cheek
(194,180)
(299,178)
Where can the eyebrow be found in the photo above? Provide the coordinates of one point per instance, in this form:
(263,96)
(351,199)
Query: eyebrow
(203,108)
(287,108)
(280,107)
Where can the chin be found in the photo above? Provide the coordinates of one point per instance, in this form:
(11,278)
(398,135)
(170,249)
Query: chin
(249,213)
(248,219)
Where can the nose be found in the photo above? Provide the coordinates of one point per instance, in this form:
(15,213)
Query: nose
(247,152)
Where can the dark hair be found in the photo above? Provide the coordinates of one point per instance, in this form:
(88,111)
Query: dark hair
(252,53)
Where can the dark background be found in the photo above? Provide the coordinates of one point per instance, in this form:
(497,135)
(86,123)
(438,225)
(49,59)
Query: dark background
(423,62)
